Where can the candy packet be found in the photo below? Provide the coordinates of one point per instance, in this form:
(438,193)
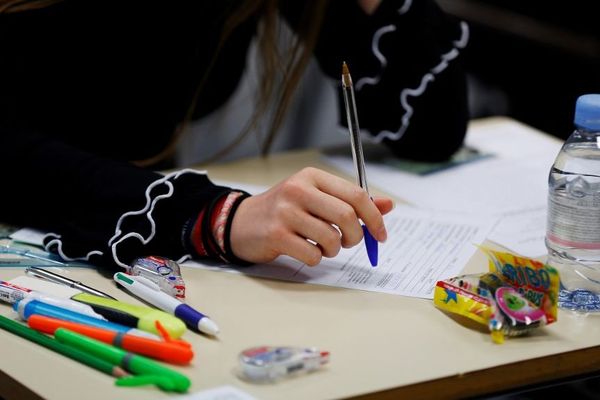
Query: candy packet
(518,294)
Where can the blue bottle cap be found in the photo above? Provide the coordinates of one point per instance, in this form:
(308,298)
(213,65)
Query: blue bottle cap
(587,112)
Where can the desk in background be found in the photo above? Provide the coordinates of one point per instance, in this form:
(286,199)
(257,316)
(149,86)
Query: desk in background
(382,346)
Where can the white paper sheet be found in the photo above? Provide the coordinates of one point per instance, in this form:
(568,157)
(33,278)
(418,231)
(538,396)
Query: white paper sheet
(422,248)
(226,392)
(512,184)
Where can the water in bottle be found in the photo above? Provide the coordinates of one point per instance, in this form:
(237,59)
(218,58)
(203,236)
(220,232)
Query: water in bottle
(573,225)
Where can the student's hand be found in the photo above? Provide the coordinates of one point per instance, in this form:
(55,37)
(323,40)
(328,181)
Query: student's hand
(369,6)
(297,216)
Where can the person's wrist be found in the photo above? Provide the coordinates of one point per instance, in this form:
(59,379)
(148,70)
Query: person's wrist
(228,248)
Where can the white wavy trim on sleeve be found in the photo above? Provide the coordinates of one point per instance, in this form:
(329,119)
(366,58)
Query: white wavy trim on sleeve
(147,209)
(382,60)
(429,77)
(118,237)
(377,53)
(58,243)
(407,92)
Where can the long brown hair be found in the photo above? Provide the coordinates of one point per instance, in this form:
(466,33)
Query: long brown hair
(280,72)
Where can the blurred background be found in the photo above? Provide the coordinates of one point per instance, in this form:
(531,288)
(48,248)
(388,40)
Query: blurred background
(529,60)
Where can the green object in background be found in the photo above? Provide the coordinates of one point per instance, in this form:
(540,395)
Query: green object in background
(64,349)
(146,370)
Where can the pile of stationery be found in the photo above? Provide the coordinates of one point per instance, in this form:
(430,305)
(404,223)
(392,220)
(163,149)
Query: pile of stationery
(128,341)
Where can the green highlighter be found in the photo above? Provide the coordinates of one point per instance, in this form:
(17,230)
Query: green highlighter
(146,371)
(140,317)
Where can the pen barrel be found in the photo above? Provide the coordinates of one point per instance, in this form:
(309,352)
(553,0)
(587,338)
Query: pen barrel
(28,308)
(165,351)
(142,317)
(138,365)
(354,129)
(174,352)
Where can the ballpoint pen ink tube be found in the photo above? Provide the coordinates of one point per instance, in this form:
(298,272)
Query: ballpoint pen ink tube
(139,365)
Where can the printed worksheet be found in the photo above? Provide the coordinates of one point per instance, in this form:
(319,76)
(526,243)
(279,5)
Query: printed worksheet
(510,182)
(422,248)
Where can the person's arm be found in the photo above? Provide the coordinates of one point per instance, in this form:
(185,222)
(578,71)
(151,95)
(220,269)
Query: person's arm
(62,140)
(102,210)
(405,63)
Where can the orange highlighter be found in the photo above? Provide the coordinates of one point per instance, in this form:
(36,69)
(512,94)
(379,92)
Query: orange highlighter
(172,351)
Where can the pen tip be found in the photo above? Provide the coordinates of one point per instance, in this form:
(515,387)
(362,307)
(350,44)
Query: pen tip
(345,70)
(371,245)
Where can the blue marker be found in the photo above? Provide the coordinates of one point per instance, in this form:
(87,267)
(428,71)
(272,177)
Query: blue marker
(27,307)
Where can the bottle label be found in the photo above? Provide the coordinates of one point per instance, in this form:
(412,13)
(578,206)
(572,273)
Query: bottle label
(574,222)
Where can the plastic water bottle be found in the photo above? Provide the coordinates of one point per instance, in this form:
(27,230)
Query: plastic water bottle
(573,225)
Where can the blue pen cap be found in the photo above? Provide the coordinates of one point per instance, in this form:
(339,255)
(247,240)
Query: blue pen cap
(587,112)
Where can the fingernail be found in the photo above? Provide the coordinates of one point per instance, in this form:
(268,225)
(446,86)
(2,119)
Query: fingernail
(382,235)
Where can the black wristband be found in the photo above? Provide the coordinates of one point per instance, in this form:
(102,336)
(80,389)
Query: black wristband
(227,234)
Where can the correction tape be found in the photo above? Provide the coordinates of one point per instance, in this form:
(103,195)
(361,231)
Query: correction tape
(162,271)
(271,363)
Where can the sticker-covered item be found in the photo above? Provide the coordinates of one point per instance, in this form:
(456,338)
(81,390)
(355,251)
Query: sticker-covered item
(516,296)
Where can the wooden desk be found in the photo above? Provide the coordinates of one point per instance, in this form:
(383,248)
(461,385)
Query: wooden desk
(382,346)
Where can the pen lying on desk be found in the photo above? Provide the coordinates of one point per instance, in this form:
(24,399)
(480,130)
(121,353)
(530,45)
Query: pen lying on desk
(28,307)
(149,291)
(56,278)
(146,370)
(138,316)
(177,352)
(82,356)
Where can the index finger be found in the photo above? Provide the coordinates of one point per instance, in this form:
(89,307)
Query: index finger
(357,197)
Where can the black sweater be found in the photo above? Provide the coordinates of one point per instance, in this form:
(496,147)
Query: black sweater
(86,86)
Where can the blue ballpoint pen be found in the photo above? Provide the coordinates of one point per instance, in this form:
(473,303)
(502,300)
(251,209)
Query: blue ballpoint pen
(357,153)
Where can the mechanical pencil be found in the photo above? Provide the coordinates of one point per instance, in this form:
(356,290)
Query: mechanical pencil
(150,292)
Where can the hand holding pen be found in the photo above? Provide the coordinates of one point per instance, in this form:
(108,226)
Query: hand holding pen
(310,215)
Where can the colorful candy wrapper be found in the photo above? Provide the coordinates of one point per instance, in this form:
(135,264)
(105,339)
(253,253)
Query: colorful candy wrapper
(518,294)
